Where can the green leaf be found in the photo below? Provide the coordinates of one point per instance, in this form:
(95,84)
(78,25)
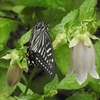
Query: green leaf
(97,52)
(81,96)
(4,63)
(6,26)
(13,56)
(70,83)
(98,23)
(44,3)
(16,58)
(3,97)
(72,22)
(6,5)
(25,38)
(23,87)
(23,64)
(18,8)
(50,89)
(94,83)
(59,40)
(86,10)
(4,88)
(31,97)
(62,58)
(27,14)
(68,19)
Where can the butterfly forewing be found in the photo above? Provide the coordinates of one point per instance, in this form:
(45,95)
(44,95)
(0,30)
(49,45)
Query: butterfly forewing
(41,45)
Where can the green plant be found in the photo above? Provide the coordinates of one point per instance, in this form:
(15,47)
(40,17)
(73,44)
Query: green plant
(70,22)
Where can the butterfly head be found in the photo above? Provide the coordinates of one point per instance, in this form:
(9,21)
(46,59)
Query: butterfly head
(41,26)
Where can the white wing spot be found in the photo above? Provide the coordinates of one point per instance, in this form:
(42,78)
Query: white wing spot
(50,66)
(45,58)
(32,62)
(48,50)
(51,73)
(49,54)
(47,61)
(28,61)
(37,59)
(52,60)
(39,50)
(41,63)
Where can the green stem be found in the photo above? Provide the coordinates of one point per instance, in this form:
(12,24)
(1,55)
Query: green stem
(24,79)
(30,79)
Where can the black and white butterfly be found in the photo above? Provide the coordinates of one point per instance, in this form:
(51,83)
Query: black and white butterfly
(40,51)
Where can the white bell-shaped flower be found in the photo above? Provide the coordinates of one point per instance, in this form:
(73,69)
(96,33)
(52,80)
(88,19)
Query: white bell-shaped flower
(83,62)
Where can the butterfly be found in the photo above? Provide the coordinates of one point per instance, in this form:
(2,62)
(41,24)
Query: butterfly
(40,51)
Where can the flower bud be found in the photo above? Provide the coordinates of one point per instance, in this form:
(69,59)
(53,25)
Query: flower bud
(13,75)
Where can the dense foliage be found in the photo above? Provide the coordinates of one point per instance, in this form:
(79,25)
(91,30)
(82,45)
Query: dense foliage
(67,19)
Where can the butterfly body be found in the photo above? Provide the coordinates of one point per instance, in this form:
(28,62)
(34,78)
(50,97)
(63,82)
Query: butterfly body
(40,51)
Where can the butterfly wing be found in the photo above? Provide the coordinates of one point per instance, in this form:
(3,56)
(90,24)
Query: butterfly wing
(42,47)
(45,56)
(35,40)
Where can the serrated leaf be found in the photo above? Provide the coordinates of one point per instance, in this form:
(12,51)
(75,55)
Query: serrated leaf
(70,83)
(51,88)
(68,19)
(86,10)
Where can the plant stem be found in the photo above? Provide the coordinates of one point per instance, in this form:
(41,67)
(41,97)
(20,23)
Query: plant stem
(24,79)
(30,79)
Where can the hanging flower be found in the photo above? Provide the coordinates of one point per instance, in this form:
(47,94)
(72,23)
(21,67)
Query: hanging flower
(16,67)
(14,75)
(83,61)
